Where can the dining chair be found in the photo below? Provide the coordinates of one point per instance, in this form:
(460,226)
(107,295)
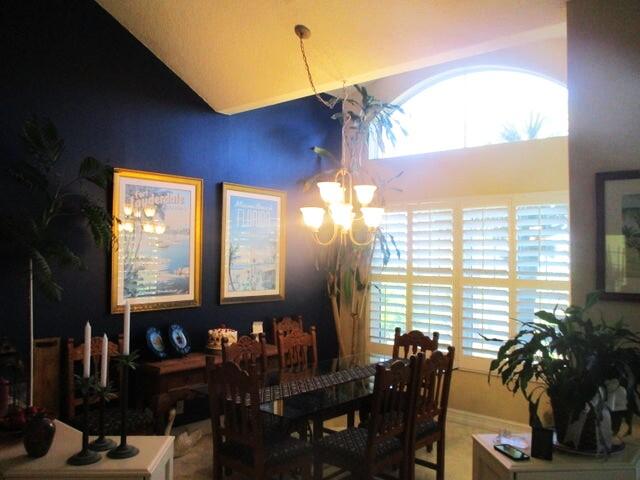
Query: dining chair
(140,421)
(286,325)
(246,351)
(298,349)
(430,417)
(240,441)
(413,342)
(385,442)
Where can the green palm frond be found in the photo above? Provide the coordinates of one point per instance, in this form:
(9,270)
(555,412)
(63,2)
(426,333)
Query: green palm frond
(36,233)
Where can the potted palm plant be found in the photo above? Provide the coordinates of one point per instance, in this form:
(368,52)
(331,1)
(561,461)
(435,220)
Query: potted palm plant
(588,368)
(36,232)
(365,120)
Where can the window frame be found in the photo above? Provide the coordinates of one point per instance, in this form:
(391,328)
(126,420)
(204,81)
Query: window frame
(457,281)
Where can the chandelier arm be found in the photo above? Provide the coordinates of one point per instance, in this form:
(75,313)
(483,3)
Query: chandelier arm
(370,240)
(316,237)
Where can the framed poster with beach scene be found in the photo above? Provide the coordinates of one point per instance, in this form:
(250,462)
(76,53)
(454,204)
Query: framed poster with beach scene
(157,260)
(252,260)
(618,235)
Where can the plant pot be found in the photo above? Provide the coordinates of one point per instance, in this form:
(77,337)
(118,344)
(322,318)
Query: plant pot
(38,435)
(584,430)
(542,443)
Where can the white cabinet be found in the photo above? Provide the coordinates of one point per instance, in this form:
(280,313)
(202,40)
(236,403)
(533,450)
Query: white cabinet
(488,464)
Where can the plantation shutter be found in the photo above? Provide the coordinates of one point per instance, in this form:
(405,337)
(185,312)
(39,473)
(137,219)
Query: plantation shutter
(432,243)
(394,225)
(543,242)
(532,300)
(432,311)
(485,312)
(387,309)
(485,242)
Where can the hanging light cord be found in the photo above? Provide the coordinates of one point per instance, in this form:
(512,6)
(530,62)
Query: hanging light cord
(328,104)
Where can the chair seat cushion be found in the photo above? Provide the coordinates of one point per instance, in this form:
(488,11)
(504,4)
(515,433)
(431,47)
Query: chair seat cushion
(138,421)
(349,446)
(277,452)
(426,427)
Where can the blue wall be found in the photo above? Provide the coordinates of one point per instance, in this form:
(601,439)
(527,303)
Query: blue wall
(111,98)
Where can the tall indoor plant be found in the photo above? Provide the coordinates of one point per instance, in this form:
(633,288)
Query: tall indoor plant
(347,265)
(587,367)
(35,232)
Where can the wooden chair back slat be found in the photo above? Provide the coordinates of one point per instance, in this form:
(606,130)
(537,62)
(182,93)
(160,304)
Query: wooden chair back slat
(286,325)
(298,350)
(392,403)
(413,342)
(234,403)
(75,355)
(433,384)
(246,352)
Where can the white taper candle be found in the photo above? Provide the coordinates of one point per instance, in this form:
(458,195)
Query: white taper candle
(127,328)
(104,365)
(86,371)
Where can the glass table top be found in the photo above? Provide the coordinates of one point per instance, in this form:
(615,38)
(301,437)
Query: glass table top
(333,384)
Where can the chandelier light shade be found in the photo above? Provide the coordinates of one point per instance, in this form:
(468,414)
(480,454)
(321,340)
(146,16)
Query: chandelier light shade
(331,192)
(365,193)
(313,217)
(372,216)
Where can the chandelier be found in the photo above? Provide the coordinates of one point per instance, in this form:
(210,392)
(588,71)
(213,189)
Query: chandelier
(339,195)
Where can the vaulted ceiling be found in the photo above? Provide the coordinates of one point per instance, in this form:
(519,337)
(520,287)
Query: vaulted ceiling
(240,55)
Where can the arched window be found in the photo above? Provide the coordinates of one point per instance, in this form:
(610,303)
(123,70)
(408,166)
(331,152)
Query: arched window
(482,106)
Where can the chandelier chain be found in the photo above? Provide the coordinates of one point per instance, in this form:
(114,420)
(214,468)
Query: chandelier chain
(313,85)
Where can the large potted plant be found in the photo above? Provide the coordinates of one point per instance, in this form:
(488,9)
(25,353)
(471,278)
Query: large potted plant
(36,231)
(587,367)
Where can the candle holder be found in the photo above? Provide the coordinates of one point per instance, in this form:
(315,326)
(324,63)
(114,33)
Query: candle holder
(86,456)
(102,443)
(124,450)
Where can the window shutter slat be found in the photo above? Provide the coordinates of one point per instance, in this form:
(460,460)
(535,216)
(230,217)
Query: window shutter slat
(432,311)
(395,225)
(543,242)
(485,242)
(387,310)
(432,242)
(485,311)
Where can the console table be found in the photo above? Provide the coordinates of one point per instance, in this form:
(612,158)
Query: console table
(154,462)
(164,383)
(488,464)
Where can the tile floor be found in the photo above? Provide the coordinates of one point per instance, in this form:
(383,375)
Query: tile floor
(196,465)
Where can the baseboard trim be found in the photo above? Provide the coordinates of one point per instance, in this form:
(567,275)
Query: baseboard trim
(490,424)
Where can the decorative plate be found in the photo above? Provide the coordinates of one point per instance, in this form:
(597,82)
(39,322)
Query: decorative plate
(155,342)
(179,339)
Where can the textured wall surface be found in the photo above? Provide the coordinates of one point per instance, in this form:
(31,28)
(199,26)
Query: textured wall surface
(111,98)
(604,123)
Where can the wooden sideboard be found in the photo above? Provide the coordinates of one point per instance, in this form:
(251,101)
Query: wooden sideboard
(154,462)
(488,464)
(163,383)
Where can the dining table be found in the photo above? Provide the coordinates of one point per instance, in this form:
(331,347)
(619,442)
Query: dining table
(317,393)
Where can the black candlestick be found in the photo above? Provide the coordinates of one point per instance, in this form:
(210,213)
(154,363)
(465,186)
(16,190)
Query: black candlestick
(102,443)
(124,450)
(86,456)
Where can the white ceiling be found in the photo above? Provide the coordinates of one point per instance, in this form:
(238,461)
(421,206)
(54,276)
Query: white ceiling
(240,55)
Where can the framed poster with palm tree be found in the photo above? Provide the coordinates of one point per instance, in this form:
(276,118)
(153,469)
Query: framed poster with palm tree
(157,263)
(252,257)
